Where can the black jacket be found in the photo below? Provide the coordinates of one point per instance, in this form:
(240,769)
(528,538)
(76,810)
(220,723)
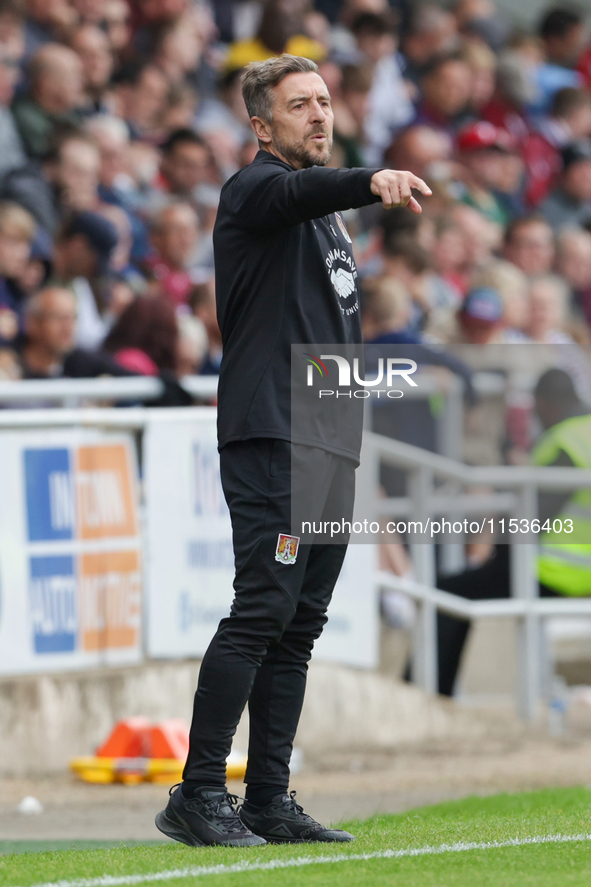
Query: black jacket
(285,275)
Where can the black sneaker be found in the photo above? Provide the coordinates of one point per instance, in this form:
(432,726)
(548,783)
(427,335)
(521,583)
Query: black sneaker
(209,818)
(283,821)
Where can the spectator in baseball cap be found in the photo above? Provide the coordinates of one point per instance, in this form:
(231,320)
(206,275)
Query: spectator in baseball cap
(80,263)
(569,204)
(481,316)
(493,169)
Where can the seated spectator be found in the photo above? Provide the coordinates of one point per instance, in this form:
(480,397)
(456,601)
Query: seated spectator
(423,150)
(450,256)
(81,258)
(178,48)
(513,287)
(37,270)
(202,304)
(482,62)
(573,263)
(49,349)
(562,31)
(188,172)
(548,311)
(389,107)
(350,113)
(445,87)
(480,317)
(387,311)
(12,154)
(570,202)
(482,236)
(72,168)
(187,163)
(47,20)
(175,237)
(91,44)
(140,94)
(192,346)
(12,34)
(516,87)
(112,138)
(17,228)
(145,338)
(483,151)
(435,300)
(569,120)
(529,244)
(116,184)
(225,110)
(429,31)
(281,30)
(116,15)
(53,100)
(10,368)
(385,315)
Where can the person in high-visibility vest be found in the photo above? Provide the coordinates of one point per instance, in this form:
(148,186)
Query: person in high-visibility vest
(564,561)
(564,558)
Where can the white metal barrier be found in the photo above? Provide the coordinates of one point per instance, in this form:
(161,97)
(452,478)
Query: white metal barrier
(516,495)
(71,392)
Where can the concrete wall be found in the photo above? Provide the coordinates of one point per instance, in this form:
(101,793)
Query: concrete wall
(46,720)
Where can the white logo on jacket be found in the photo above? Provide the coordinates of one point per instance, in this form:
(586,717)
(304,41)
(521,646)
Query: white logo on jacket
(343,282)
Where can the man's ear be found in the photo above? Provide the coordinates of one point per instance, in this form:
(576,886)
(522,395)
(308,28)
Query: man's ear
(262,130)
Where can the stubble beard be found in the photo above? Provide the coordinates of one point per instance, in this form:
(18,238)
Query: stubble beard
(298,155)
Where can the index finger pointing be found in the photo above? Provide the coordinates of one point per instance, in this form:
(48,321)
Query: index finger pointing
(421,186)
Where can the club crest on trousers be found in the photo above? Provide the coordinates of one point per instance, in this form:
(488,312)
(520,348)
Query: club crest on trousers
(287,548)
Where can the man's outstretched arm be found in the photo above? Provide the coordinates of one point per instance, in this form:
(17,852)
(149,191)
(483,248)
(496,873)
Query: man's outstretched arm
(285,199)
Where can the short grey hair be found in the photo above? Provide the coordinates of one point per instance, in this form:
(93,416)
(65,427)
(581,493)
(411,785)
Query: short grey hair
(110,124)
(261,77)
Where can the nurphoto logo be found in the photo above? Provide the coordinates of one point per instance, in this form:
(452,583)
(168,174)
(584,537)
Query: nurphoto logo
(388,371)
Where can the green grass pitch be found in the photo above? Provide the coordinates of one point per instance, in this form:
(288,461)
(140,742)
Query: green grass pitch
(439,833)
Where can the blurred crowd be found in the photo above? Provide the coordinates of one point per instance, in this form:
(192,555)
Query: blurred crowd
(120,120)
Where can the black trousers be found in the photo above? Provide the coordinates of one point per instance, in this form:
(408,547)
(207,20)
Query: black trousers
(491,580)
(260,653)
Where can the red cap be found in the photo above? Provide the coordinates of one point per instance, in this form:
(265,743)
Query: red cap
(481,135)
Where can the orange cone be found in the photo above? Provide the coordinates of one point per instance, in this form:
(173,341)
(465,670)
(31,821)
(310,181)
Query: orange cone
(129,738)
(170,739)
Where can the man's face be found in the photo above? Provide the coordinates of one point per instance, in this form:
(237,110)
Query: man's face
(80,259)
(531,248)
(177,236)
(186,166)
(54,324)
(92,46)
(301,129)
(77,174)
(67,79)
(448,88)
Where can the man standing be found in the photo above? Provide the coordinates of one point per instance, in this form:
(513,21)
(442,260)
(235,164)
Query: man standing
(278,224)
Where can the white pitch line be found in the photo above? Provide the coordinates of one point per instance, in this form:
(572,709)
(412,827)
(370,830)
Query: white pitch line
(300,861)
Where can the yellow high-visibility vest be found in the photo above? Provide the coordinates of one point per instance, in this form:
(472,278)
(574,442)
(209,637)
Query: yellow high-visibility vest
(564,559)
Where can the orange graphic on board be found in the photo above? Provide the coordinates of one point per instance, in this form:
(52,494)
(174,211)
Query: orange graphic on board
(105,492)
(110,600)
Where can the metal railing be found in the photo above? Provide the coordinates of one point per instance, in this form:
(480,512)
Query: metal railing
(515,495)
(72,392)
